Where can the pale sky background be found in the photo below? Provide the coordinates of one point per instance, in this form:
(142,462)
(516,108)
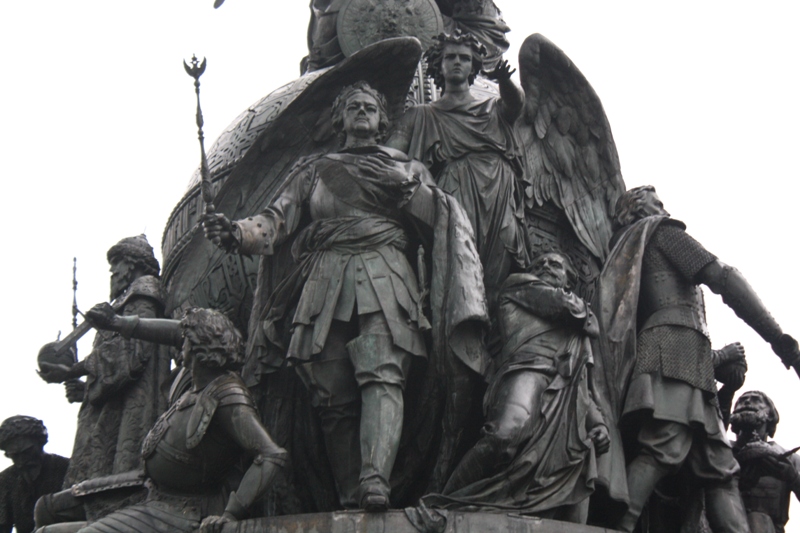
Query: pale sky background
(98,142)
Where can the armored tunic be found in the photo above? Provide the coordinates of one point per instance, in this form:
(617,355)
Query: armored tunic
(123,392)
(17,497)
(188,456)
(673,374)
(351,258)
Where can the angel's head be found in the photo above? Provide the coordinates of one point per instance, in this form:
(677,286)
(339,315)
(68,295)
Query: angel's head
(360,111)
(448,56)
(637,203)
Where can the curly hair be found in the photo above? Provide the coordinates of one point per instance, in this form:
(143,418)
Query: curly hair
(772,416)
(136,251)
(572,273)
(211,328)
(337,111)
(434,55)
(629,206)
(22,426)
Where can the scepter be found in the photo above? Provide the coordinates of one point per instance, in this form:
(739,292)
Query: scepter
(195,71)
(75,310)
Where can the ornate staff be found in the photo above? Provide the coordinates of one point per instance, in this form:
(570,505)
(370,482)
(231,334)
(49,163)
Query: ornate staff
(195,71)
(75,310)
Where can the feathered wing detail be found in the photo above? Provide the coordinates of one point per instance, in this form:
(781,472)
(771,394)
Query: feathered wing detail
(570,156)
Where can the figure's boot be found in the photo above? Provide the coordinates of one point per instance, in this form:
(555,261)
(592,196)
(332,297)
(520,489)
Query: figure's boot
(725,509)
(643,476)
(340,426)
(334,392)
(380,372)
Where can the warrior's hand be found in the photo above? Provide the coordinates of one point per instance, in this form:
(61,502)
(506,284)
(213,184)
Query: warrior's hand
(214,524)
(787,349)
(600,438)
(219,230)
(102,316)
(730,365)
(502,73)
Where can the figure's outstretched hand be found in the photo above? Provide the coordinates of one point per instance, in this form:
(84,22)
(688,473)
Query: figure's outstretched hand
(600,438)
(501,73)
(219,230)
(787,349)
(102,316)
(214,524)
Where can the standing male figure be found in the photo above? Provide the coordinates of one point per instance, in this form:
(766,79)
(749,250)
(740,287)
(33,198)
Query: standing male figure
(33,474)
(543,428)
(652,312)
(770,474)
(123,394)
(357,317)
(468,143)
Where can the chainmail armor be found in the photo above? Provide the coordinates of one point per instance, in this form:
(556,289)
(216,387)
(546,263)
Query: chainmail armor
(678,353)
(674,351)
(671,248)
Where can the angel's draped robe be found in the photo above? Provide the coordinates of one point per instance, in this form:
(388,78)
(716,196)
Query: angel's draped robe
(473,155)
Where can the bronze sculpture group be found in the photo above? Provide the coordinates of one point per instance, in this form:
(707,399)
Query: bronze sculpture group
(452,355)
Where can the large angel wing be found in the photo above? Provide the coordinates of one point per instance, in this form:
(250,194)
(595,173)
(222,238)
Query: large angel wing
(571,159)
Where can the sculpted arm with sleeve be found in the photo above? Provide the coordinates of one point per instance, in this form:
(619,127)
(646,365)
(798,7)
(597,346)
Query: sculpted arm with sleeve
(258,235)
(737,293)
(241,422)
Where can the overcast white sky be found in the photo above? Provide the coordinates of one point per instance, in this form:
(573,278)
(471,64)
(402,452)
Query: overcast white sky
(97,142)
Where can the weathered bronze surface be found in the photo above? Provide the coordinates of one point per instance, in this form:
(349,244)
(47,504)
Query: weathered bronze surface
(371,227)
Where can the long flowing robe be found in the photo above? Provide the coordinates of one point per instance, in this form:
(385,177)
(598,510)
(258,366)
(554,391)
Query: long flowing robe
(124,394)
(473,155)
(555,464)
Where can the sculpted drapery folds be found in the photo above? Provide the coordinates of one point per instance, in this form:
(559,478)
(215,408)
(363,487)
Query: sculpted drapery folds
(658,352)
(352,305)
(468,143)
(543,428)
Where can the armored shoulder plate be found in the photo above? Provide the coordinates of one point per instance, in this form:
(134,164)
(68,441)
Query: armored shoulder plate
(147,286)
(225,390)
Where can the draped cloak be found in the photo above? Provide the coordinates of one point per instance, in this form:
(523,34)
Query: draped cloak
(289,316)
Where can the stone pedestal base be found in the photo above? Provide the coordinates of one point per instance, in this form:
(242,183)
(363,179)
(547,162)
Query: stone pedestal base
(396,522)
